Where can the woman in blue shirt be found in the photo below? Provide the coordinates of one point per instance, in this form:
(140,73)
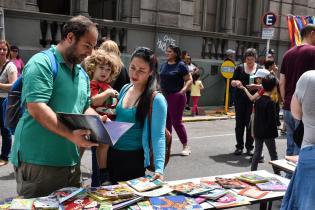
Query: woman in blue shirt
(129,157)
(175,81)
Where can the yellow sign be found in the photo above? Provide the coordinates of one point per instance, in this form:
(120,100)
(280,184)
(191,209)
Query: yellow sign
(227,69)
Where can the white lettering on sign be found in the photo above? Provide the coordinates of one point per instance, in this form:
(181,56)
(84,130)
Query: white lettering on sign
(269,20)
(163,43)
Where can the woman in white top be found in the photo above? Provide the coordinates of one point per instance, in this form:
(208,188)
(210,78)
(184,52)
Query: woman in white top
(8,75)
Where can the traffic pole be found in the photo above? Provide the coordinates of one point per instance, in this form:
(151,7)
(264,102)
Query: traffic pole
(227,96)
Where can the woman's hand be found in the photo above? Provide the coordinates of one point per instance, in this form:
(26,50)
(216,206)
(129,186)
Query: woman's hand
(157,176)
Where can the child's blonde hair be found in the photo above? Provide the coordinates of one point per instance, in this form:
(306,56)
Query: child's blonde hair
(100,57)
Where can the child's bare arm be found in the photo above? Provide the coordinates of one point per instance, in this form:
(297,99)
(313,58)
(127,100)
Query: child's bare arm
(201,86)
(99,99)
(249,95)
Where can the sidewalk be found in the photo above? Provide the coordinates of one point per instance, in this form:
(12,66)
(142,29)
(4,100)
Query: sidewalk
(209,113)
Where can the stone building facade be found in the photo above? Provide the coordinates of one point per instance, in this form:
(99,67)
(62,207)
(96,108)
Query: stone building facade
(205,28)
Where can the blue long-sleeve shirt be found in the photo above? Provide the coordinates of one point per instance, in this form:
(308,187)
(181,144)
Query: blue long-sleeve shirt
(158,124)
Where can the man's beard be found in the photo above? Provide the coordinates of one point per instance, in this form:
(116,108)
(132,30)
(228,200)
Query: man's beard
(71,56)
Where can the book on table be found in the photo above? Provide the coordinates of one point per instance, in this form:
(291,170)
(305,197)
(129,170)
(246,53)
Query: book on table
(253,192)
(142,184)
(231,183)
(230,199)
(214,194)
(273,184)
(174,202)
(67,193)
(112,191)
(191,189)
(252,178)
(47,202)
(22,204)
(103,132)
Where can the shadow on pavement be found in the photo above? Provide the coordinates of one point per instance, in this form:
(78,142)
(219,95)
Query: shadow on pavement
(8,177)
(231,159)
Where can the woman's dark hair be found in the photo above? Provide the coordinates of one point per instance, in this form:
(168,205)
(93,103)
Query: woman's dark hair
(177,52)
(144,99)
(250,52)
(78,25)
(269,63)
(15,49)
(269,82)
(195,76)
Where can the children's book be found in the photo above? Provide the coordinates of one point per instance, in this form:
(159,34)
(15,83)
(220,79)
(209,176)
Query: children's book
(214,194)
(230,199)
(66,193)
(113,191)
(163,190)
(80,202)
(145,205)
(142,184)
(103,132)
(252,178)
(48,202)
(253,192)
(22,204)
(191,189)
(173,203)
(210,183)
(231,183)
(200,200)
(121,205)
(273,184)
(6,203)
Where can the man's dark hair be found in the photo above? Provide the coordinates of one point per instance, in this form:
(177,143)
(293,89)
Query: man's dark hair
(269,63)
(78,25)
(306,30)
(269,82)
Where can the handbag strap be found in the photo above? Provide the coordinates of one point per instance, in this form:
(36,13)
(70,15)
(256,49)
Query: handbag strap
(154,93)
(3,68)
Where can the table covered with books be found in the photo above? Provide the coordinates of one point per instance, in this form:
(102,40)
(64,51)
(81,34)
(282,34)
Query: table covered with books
(214,192)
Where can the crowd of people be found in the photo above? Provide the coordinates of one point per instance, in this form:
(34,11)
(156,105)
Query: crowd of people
(94,81)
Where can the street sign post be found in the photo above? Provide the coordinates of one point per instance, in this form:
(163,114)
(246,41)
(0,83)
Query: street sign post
(269,20)
(227,71)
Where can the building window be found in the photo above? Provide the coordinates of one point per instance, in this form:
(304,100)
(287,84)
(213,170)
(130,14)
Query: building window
(103,9)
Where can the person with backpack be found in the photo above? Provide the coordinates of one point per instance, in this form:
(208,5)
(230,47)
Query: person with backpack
(45,153)
(8,75)
(130,156)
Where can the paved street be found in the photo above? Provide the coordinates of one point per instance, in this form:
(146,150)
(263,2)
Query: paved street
(212,144)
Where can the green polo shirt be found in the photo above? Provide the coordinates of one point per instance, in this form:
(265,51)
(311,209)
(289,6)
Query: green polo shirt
(69,92)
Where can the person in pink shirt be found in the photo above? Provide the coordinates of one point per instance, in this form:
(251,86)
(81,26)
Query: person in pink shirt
(16,59)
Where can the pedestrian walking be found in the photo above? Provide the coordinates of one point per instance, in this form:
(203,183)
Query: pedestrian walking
(175,80)
(196,88)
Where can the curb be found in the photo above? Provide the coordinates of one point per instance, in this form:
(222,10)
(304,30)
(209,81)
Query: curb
(206,118)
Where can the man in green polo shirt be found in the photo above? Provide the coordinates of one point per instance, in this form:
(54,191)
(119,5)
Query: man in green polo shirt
(45,153)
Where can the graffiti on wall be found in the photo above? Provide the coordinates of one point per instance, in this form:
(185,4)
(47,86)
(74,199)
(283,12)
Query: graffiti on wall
(164,40)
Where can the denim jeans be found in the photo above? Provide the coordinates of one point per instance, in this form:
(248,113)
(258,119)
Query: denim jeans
(5,134)
(291,124)
(301,190)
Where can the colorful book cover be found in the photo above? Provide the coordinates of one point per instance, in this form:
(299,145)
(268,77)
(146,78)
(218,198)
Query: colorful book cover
(231,183)
(214,194)
(191,189)
(165,189)
(145,205)
(200,200)
(174,203)
(48,202)
(127,202)
(6,203)
(252,178)
(253,192)
(210,183)
(273,184)
(22,204)
(144,183)
(66,193)
(113,191)
(80,203)
(230,199)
